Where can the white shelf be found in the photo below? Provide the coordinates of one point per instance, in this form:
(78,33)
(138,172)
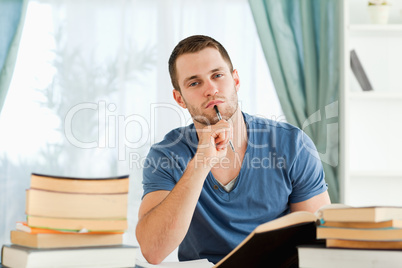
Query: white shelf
(371,170)
(375,28)
(375,95)
(376,174)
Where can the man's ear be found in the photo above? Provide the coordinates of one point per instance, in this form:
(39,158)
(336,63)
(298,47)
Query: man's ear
(179,98)
(236,79)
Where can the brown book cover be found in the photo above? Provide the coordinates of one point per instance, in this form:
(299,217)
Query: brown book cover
(274,244)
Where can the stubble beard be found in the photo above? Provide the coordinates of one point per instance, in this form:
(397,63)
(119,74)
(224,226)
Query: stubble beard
(211,119)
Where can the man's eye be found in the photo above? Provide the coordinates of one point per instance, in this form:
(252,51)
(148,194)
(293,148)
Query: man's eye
(218,75)
(193,84)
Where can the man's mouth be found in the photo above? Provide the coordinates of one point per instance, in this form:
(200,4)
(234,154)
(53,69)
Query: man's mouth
(212,103)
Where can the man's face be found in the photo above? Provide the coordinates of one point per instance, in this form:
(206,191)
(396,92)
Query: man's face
(205,81)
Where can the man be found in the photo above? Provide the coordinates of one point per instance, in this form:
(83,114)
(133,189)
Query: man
(201,195)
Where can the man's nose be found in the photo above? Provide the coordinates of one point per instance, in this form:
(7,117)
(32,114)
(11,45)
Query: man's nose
(210,88)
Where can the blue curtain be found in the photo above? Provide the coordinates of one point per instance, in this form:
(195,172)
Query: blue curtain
(301,43)
(12,13)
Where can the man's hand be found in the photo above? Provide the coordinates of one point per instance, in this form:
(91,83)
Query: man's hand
(213,142)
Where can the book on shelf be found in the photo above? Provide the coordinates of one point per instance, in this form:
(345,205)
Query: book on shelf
(107,256)
(75,205)
(359,72)
(362,214)
(64,239)
(273,244)
(106,185)
(319,256)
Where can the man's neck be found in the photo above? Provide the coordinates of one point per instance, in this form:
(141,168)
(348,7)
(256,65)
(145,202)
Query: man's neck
(239,130)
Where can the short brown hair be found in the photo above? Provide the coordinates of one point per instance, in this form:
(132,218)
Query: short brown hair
(193,44)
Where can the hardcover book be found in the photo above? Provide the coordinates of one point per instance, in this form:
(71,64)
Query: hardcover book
(363,225)
(379,234)
(340,243)
(107,185)
(362,214)
(319,256)
(60,239)
(75,205)
(100,257)
(78,224)
(273,244)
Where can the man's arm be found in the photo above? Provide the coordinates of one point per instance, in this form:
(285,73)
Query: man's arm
(164,217)
(312,204)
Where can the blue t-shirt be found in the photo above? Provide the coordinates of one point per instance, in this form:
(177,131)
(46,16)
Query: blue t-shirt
(280,166)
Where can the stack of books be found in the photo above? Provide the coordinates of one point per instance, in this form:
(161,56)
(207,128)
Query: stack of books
(72,222)
(362,227)
(356,237)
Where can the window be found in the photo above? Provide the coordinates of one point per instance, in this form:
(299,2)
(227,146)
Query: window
(91,90)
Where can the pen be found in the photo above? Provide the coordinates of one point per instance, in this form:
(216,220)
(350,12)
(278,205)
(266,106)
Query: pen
(220,118)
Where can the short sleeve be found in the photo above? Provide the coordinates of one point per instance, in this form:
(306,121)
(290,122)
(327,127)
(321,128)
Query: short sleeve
(306,171)
(161,171)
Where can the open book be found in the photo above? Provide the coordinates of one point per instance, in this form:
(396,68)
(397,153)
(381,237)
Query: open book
(273,244)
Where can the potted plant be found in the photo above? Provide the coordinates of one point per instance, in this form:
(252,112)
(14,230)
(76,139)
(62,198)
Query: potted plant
(379,11)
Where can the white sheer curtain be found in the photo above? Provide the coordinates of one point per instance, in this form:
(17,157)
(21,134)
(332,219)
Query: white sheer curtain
(91,90)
